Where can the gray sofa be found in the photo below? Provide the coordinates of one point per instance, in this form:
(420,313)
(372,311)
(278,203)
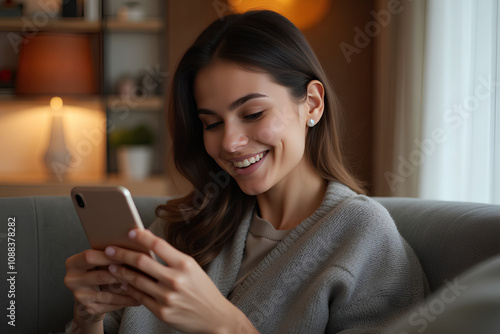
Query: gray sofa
(448,238)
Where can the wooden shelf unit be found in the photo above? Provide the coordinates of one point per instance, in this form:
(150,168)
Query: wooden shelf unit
(70,25)
(148,26)
(110,38)
(42,185)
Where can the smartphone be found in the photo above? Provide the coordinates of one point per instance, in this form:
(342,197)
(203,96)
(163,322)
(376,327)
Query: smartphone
(107,214)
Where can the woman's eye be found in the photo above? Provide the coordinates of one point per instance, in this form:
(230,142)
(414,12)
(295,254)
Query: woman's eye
(212,126)
(254,116)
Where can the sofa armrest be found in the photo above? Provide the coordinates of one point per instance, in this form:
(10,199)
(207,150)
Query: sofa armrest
(48,231)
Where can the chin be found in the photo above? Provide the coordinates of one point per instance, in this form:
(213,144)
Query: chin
(252,189)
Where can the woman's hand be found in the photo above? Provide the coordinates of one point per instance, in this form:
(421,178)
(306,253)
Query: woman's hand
(95,290)
(181,294)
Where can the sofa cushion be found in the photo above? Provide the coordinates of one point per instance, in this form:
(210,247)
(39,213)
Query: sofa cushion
(448,237)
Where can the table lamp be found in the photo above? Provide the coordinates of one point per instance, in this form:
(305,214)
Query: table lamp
(56,65)
(305,14)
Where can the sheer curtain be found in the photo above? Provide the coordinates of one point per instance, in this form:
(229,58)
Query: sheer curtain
(455,153)
(460,101)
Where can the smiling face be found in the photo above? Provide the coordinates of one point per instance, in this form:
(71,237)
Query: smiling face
(253,128)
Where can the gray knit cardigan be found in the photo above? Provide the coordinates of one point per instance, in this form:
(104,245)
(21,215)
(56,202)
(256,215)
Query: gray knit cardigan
(345,269)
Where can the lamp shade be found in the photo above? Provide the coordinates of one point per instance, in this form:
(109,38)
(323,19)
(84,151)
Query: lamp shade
(56,64)
(305,14)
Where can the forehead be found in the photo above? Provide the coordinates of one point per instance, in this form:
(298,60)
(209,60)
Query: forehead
(221,83)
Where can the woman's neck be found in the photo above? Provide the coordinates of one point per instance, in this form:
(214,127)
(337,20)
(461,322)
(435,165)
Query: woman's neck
(293,199)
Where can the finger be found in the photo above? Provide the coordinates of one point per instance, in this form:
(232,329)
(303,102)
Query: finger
(141,297)
(158,307)
(92,279)
(172,257)
(90,297)
(87,259)
(137,280)
(99,277)
(140,261)
(90,310)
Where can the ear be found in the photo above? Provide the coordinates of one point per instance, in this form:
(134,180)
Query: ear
(315,100)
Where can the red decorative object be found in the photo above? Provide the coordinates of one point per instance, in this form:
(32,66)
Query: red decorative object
(5,76)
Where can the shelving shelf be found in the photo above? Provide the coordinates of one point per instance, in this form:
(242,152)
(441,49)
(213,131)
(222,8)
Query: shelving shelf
(15,98)
(151,25)
(25,24)
(10,102)
(121,48)
(147,104)
(31,185)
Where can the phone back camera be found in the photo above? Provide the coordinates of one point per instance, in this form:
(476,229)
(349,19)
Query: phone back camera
(79,201)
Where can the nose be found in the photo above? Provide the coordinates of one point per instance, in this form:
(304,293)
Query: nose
(234,137)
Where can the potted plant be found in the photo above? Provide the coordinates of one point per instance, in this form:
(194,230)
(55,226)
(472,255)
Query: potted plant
(134,151)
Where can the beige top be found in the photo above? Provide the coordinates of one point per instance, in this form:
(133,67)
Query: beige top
(262,238)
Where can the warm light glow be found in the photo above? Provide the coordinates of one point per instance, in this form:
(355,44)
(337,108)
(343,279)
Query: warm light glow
(56,103)
(303,13)
(26,126)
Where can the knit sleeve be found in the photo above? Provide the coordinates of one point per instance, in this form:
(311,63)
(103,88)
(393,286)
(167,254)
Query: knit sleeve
(112,321)
(384,275)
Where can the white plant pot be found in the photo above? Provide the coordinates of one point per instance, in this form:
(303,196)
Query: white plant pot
(135,162)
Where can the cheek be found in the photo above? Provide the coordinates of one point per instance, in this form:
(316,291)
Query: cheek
(265,132)
(275,127)
(283,126)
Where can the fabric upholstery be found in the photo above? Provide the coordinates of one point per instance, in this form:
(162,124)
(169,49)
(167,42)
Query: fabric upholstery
(448,237)
(26,265)
(47,233)
(470,303)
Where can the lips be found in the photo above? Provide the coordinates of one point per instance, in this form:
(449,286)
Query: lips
(248,161)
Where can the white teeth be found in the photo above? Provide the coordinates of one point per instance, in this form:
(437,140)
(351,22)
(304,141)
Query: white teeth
(248,162)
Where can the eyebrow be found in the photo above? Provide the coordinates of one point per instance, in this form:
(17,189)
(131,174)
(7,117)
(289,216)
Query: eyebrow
(235,104)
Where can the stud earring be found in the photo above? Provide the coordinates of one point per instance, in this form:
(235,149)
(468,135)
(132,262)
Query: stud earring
(310,122)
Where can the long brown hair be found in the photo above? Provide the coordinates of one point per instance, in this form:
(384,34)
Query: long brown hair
(201,222)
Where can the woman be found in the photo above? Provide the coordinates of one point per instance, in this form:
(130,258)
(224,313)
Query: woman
(276,236)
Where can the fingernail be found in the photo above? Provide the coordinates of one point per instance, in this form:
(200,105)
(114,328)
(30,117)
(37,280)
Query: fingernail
(132,234)
(110,251)
(124,286)
(112,268)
